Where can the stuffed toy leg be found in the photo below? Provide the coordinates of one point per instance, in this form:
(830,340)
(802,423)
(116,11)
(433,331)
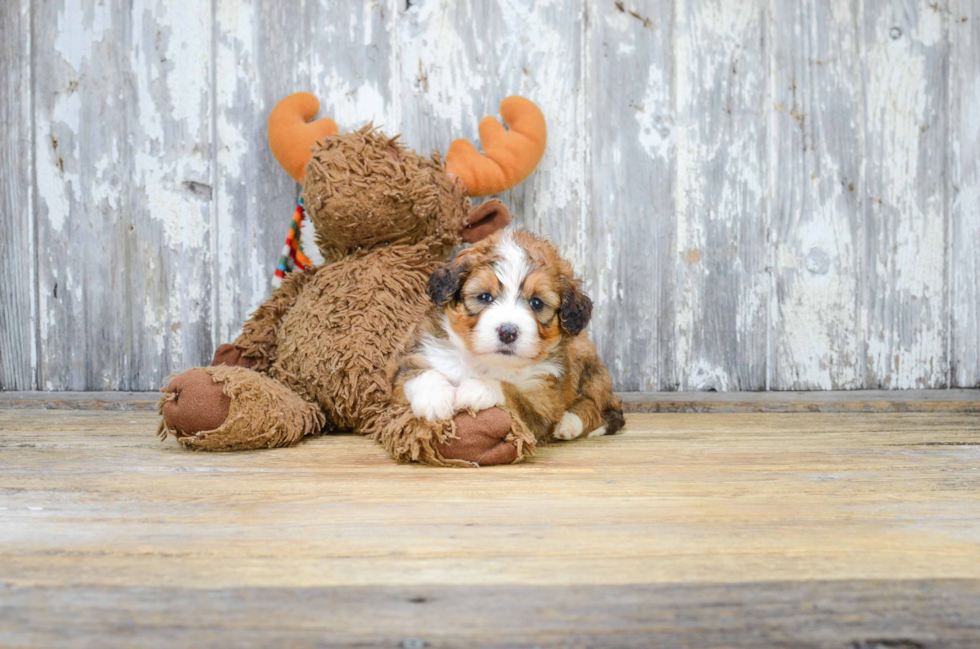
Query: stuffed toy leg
(222,408)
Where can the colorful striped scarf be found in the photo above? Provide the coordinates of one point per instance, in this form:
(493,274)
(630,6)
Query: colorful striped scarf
(293,257)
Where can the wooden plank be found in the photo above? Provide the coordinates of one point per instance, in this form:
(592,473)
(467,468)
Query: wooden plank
(92,498)
(964,232)
(264,52)
(123,150)
(817,183)
(720,192)
(956,400)
(18,315)
(144,401)
(457,60)
(259,59)
(904,296)
(787,402)
(858,614)
(631,240)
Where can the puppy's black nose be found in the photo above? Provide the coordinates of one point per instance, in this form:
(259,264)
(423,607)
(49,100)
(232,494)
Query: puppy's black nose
(507,333)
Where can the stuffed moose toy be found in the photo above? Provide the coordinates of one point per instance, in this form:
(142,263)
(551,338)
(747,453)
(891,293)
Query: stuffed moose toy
(318,354)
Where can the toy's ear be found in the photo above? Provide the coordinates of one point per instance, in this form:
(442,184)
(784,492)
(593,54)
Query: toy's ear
(485,219)
(576,309)
(446,282)
(292,135)
(509,155)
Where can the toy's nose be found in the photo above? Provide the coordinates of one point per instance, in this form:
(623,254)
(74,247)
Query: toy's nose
(507,333)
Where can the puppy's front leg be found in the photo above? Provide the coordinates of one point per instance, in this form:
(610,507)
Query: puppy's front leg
(475,395)
(431,395)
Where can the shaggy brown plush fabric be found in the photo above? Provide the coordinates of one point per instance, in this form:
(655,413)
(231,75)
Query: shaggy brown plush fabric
(320,347)
(364,188)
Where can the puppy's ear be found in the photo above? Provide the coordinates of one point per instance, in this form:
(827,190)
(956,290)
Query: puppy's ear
(446,282)
(576,308)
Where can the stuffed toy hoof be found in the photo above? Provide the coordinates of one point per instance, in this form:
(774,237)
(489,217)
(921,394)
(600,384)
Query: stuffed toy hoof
(193,403)
(486,439)
(232,356)
(223,408)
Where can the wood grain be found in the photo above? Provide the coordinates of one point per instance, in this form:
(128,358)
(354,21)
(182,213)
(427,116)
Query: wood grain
(632,232)
(18,315)
(857,614)
(810,401)
(964,192)
(815,529)
(721,89)
(816,179)
(122,154)
(905,212)
(94,498)
(258,54)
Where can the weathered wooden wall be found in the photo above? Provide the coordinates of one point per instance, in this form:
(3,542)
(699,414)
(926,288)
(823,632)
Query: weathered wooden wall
(779,194)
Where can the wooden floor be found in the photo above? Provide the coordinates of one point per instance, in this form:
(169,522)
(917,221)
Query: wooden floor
(735,529)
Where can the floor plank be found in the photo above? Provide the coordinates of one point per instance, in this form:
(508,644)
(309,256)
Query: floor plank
(826,513)
(851,614)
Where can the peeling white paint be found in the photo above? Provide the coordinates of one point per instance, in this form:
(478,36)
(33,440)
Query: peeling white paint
(815,340)
(655,132)
(906,332)
(351,106)
(237,29)
(181,63)
(431,46)
(80,26)
(837,94)
(59,184)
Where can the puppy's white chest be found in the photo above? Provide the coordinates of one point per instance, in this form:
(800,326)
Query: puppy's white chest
(457,366)
(523,379)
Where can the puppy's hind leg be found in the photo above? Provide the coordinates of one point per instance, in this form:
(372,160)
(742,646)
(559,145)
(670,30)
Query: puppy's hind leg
(596,409)
(584,419)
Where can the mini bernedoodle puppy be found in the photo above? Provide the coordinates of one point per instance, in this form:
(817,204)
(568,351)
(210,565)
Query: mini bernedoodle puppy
(507,328)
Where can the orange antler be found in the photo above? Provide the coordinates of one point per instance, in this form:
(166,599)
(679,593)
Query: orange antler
(510,157)
(292,135)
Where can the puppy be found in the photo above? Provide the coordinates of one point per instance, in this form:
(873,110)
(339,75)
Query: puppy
(506,329)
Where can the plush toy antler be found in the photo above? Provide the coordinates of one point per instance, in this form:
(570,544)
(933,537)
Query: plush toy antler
(510,156)
(292,135)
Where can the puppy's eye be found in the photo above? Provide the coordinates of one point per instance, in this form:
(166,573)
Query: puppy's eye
(486,298)
(536,304)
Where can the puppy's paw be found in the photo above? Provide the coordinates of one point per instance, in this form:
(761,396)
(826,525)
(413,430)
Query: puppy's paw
(569,427)
(599,432)
(431,396)
(477,394)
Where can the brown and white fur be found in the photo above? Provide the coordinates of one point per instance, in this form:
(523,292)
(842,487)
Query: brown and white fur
(507,329)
